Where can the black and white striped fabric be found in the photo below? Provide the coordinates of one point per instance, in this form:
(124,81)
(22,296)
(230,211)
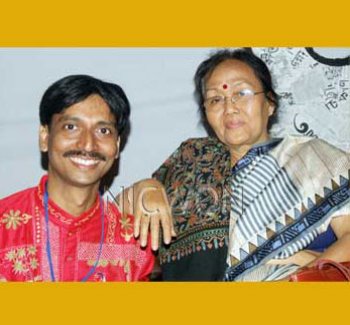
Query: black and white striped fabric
(261,195)
(277,211)
(299,245)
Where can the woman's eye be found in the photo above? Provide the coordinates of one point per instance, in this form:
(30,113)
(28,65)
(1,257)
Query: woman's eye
(215,100)
(245,93)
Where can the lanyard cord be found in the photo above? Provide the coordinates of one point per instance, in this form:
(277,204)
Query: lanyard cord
(48,246)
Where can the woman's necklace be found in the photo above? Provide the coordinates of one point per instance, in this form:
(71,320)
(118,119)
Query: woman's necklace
(48,246)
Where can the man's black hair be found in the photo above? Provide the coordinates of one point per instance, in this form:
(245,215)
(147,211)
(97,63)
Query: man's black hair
(73,89)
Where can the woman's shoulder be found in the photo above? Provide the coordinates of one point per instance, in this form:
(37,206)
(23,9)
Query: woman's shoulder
(300,143)
(207,143)
(311,151)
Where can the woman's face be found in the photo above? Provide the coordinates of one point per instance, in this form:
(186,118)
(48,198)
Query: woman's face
(241,124)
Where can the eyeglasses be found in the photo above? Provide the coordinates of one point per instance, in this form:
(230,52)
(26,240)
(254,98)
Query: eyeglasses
(243,97)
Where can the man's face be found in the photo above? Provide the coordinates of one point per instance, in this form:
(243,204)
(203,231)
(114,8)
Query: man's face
(82,143)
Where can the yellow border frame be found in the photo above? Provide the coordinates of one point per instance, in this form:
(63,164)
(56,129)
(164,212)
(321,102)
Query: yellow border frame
(39,23)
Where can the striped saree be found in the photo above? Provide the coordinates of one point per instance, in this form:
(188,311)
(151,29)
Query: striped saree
(283,195)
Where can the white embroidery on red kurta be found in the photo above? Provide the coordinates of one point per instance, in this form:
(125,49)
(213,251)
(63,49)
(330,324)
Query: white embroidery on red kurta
(14,219)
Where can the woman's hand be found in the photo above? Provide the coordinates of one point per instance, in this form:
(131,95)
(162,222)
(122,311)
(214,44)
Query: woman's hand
(147,201)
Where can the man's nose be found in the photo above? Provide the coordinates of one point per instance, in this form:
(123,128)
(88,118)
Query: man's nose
(87,140)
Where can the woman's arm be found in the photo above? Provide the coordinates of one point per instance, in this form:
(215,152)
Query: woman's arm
(340,250)
(146,200)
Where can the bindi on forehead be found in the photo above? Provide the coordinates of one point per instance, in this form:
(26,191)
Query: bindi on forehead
(224,86)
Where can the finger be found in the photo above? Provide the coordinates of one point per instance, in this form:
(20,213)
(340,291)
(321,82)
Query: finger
(142,201)
(168,214)
(166,222)
(145,220)
(154,232)
(172,228)
(138,212)
(173,232)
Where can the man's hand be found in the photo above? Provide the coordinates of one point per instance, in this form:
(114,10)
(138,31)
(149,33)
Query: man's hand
(147,201)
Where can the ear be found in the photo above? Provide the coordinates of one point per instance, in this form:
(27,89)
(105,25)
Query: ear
(44,138)
(118,148)
(271,106)
(271,109)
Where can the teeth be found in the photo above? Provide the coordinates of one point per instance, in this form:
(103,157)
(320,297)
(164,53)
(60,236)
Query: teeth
(84,162)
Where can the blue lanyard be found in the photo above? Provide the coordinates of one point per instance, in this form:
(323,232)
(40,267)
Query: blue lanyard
(48,246)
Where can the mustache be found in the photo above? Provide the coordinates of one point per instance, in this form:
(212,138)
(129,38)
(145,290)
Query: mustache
(85,154)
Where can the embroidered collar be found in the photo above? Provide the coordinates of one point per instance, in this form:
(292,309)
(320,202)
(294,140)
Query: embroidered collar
(63,218)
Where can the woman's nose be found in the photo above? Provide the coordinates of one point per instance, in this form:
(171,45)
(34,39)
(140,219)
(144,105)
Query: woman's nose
(230,106)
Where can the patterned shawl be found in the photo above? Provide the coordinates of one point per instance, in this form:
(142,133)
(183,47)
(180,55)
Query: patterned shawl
(281,200)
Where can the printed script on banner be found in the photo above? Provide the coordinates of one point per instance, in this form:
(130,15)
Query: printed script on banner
(314,93)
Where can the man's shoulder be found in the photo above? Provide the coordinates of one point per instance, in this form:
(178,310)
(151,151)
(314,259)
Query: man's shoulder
(16,216)
(13,200)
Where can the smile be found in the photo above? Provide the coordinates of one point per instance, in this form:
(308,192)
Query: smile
(84,162)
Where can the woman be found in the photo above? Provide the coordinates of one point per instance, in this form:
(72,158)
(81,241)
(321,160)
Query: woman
(274,203)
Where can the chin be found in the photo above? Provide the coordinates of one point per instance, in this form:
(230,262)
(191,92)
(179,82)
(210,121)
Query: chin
(237,140)
(84,180)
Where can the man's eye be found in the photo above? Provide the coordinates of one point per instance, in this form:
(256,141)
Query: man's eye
(69,127)
(105,131)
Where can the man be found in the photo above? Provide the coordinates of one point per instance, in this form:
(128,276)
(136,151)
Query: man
(62,230)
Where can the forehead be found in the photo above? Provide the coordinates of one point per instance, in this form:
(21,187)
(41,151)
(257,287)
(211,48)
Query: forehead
(231,71)
(92,108)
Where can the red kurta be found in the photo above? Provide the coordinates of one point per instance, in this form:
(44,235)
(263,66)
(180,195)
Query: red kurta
(74,242)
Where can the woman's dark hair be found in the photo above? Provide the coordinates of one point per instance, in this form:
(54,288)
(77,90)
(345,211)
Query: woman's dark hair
(246,56)
(73,89)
